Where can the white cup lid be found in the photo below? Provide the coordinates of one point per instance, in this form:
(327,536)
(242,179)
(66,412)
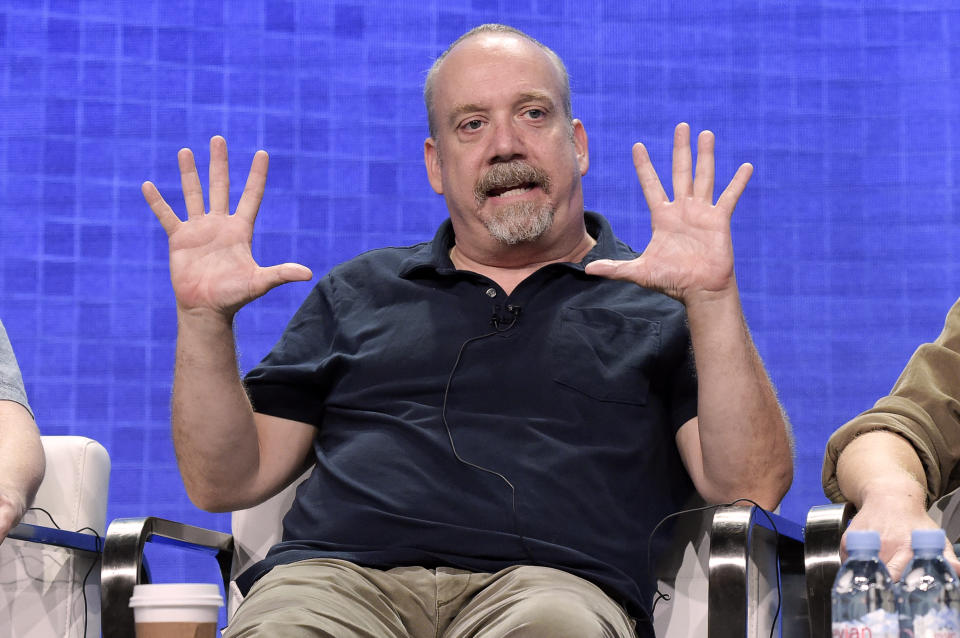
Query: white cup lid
(164,594)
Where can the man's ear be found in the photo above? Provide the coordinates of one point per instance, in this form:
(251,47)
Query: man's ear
(431,157)
(581,146)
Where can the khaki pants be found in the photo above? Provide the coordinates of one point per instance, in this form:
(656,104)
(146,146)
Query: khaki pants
(337,599)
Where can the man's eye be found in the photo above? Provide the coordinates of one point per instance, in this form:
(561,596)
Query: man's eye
(535,114)
(473,125)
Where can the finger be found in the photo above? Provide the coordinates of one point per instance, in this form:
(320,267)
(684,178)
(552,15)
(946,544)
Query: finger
(682,162)
(955,564)
(652,188)
(269,278)
(219,177)
(951,555)
(168,218)
(731,194)
(190,182)
(6,524)
(253,189)
(898,562)
(703,178)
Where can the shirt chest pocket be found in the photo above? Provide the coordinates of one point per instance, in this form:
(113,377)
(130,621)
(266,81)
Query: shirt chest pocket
(605,354)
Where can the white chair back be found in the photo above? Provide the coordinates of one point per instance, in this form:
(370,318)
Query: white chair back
(255,531)
(42,587)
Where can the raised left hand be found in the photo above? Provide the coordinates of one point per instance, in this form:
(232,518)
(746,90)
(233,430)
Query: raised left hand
(690,254)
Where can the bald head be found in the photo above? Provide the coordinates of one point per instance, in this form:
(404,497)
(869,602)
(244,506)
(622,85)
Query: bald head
(429,87)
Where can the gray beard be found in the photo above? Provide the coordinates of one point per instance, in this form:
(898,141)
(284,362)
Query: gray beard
(519,223)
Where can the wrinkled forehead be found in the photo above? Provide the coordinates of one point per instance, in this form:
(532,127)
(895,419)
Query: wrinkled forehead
(495,60)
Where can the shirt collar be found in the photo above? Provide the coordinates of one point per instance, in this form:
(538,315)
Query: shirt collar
(435,255)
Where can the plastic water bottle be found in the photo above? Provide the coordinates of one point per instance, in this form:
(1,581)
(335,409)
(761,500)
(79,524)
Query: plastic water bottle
(864,598)
(931,592)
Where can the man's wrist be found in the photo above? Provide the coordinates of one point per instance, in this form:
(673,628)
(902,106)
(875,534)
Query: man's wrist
(896,492)
(204,323)
(712,301)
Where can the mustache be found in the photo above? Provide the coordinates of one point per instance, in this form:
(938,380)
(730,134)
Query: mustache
(507,175)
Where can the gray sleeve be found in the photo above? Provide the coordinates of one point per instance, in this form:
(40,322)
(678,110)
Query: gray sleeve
(11,383)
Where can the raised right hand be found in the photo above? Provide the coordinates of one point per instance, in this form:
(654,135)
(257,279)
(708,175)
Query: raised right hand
(211,264)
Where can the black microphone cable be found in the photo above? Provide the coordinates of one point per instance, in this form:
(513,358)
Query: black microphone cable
(495,322)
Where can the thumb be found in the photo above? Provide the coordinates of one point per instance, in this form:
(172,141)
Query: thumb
(613,269)
(273,276)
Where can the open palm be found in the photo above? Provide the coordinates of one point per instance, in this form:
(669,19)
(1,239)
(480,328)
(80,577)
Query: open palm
(211,264)
(690,253)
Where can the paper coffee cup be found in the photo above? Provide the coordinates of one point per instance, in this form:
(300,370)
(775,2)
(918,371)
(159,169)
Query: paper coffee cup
(176,610)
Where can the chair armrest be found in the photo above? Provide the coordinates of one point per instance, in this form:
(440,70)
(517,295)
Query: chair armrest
(825,527)
(59,537)
(124,566)
(739,537)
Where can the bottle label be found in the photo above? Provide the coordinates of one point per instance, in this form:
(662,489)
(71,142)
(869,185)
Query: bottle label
(876,624)
(937,623)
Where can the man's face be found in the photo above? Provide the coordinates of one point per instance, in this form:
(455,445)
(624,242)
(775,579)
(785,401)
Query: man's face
(506,157)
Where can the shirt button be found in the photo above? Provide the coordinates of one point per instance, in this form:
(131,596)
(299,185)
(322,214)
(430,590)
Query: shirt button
(491,292)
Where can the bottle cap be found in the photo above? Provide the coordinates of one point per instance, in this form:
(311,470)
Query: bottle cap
(863,540)
(928,539)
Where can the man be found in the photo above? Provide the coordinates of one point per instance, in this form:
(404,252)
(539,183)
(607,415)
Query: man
(498,417)
(21,454)
(895,459)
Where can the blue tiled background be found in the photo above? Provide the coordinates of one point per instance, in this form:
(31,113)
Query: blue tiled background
(846,237)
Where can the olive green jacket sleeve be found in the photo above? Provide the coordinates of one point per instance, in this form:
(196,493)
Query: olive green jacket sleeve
(923,407)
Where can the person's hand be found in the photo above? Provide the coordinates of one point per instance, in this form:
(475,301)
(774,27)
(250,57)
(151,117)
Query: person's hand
(690,254)
(12,509)
(894,519)
(211,265)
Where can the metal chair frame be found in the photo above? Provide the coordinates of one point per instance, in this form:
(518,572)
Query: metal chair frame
(733,573)
(124,564)
(824,528)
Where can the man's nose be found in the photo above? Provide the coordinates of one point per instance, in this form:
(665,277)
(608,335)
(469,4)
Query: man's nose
(506,143)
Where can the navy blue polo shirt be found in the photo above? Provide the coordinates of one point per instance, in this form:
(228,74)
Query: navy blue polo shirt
(460,426)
